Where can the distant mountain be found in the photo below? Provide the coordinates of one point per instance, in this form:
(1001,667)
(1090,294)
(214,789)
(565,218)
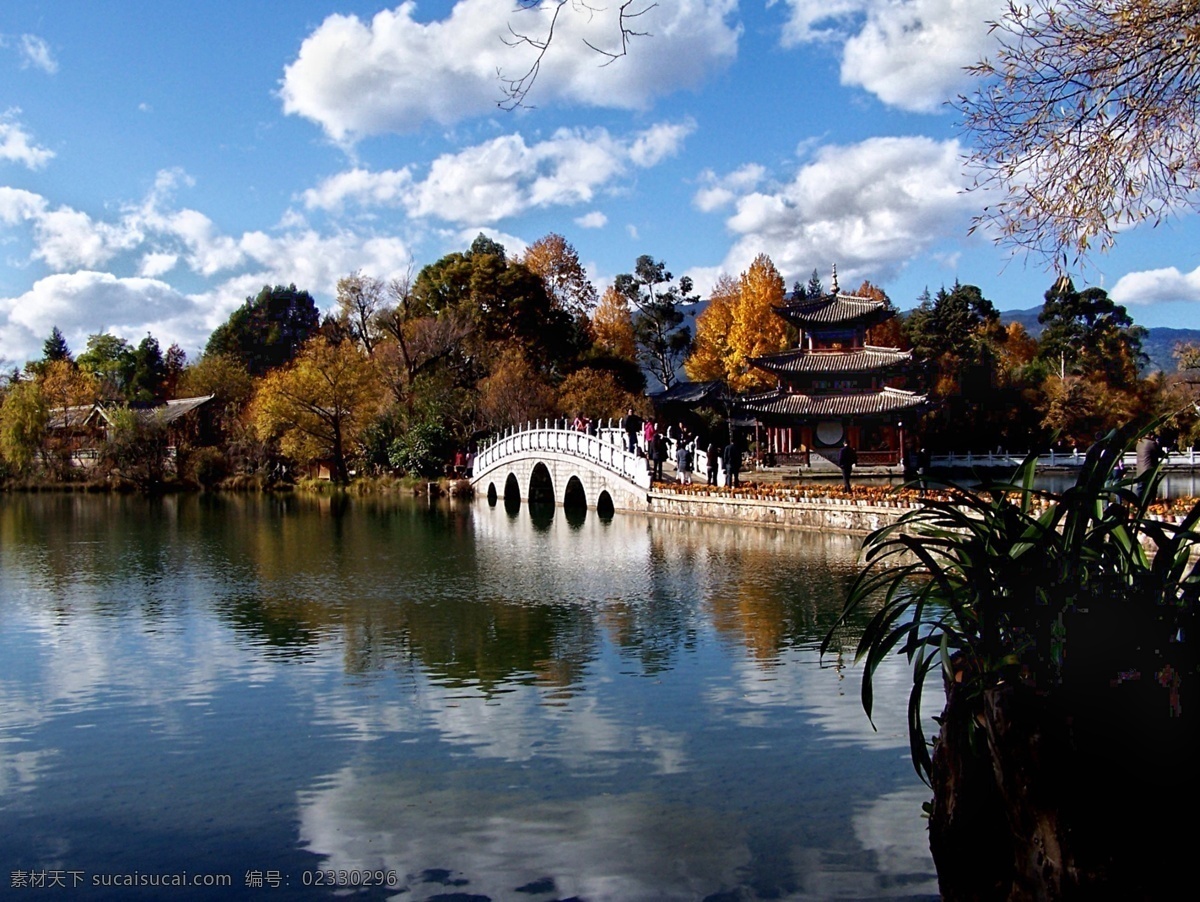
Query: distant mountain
(1158,344)
(1027,318)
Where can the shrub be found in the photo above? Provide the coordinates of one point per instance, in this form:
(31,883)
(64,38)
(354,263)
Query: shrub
(1062,624)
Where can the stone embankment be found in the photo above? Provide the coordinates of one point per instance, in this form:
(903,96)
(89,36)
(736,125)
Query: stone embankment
(856,512)
(862,510)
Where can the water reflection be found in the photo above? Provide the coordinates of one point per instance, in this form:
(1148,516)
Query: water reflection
(512,705)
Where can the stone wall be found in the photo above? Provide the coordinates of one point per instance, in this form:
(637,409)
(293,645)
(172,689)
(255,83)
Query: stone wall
(838,514)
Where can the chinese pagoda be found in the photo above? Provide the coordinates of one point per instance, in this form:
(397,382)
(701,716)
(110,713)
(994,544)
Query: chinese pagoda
(834,387)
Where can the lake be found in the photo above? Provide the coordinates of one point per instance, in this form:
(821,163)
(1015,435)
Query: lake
(214,697)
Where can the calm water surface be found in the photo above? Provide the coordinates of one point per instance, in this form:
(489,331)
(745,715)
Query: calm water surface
(467,702)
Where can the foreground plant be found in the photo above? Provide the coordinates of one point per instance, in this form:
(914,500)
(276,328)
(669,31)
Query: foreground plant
(1062,627)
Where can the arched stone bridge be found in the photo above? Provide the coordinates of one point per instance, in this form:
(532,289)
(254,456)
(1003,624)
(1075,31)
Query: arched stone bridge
(548,462)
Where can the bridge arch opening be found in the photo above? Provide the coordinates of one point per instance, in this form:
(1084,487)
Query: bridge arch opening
(574,496)
(512,495)
(604,506)
(491,494)
(541,486)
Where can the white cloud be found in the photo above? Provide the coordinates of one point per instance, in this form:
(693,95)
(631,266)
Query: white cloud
(394,73)
(656,144)
(152,239)
(157,264)
(16,145)
(85,302)
(362,187)
(1157,285)
(506,176)
(18,205)
(69,239)
(36,54)
(720,191)
(593,220)
(869,207)
(909,53)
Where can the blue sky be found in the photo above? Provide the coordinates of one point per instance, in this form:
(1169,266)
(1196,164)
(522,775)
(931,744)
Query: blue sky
(160,162)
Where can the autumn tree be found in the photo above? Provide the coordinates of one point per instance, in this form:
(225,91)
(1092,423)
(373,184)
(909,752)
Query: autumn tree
(709,359)
(225,378)
(597,394)
(415,340)
(65,385)
(756,328)
(890,332)
(612,325)
(663,341)
(1187,355)
(1085,120)
(740,322)
(23,419)
(556,261)
(318,406)
(514,392)
(504,301)
(360,299)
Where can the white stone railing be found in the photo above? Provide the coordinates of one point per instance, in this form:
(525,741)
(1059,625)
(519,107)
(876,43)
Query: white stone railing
(607,448)
(1175,460)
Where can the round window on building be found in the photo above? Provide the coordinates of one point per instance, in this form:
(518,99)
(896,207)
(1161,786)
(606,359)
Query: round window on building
(829,432)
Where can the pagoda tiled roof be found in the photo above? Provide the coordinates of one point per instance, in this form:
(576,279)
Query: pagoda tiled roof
(835,310)
(692,393)
(785,405)
(802,361)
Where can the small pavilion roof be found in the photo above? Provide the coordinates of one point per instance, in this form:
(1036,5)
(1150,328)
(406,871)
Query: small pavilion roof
(692,393)
(802,361)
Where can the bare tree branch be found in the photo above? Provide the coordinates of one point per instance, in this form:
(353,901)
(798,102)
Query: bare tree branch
(1087,121)
(516,90)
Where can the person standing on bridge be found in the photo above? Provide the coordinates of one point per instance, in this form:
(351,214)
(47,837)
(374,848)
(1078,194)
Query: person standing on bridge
(658,455)
(684,460)
(632,424)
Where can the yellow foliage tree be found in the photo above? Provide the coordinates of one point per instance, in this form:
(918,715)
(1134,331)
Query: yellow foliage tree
(555,259)
(65,385)
(710,349)
(612,325)
(595,394)
(514,392)
(740,322)
(756,329)
(319,405)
